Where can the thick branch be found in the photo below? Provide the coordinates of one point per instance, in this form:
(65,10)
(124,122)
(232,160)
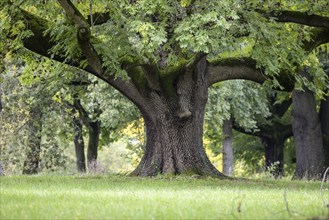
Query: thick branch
(245,68)
(73,13)
(238,128)
(298,18)
(127,88)
(234,68)
(280,109)
(41,43)
(267,131)
(319,36)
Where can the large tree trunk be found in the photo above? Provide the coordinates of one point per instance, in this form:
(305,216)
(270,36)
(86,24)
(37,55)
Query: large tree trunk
(324,118)
(273,155)
(79,145)
(174,127)
(307,135)
(34,128)
(228,148)
(94,132)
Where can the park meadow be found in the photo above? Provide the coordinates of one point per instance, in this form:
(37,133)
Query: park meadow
(123,197)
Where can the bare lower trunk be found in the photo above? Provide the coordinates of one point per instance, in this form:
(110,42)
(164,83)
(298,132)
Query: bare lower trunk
(94,132)
(307,135)
(227,148)
(324,118)
(34,127)
(273,155)
(174,127)
(174,147)
(79,145)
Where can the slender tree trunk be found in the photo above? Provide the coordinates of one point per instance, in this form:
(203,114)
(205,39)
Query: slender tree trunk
(273,155)
(94,132)
(34,126)
(174,127)
(79,145)
(324,118)
(228,168)
(307,135)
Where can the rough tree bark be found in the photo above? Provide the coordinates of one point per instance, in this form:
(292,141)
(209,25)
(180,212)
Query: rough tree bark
(228,168)
(79,145)
(324,118)
(307,134)
(34,129)
(324,111)
(174,126)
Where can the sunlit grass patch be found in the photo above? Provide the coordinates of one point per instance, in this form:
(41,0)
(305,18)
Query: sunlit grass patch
(121,197)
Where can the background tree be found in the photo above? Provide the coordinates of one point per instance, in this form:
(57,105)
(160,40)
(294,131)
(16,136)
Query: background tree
(241,102)
(307,126)
(273,130)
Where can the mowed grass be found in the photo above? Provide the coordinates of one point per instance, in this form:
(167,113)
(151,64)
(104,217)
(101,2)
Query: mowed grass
(121,197)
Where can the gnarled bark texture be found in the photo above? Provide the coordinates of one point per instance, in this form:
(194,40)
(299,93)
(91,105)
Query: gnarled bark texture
(307,134)
(174,126)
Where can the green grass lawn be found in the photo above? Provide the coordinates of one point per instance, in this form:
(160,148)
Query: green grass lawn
(120,197)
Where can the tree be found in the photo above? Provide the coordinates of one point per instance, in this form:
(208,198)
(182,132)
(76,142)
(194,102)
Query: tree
(240,102)
(164,55)
(324,109)
(102,111)
(93,125)
(273,130)
(79,143)
(306,125)
(31,117)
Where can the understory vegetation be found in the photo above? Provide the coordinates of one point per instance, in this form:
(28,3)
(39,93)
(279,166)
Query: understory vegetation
(122,197)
